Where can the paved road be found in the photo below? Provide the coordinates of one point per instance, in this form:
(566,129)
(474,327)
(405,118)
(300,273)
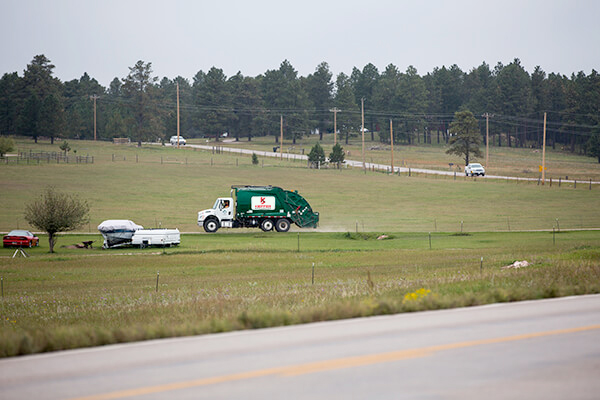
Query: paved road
(546,349)
(378,167)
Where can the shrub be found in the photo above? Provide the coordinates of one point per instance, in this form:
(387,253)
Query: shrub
(316,155)
(65,147)
(337,155)
(56,212)
(6,145)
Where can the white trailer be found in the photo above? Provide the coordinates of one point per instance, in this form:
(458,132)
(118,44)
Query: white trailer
(156,237)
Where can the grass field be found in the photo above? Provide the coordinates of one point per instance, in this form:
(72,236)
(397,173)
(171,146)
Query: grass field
(138,186)
(241,279)
(505,161)
(214,283)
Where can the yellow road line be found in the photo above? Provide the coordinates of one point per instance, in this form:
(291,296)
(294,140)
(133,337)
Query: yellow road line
(328,365)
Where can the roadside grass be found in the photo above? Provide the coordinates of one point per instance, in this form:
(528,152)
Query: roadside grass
(170,194)
(224,282)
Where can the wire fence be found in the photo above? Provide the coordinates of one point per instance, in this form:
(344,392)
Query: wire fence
(585,220)
(54,157)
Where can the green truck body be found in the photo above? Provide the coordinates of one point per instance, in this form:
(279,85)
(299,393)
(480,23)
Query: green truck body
(265,207)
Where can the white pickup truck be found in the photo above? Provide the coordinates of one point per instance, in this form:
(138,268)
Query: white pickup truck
(173,140)
(474,169)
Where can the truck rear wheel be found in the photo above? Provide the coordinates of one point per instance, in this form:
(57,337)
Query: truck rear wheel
(282,225)
(211,225)
(266,225)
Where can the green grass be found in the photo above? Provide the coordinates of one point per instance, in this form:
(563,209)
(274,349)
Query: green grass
(223,282)
(505,161)
(239,279)
(170,194)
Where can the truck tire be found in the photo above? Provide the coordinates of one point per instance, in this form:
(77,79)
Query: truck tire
(211,225)
(282,225)
(266,225)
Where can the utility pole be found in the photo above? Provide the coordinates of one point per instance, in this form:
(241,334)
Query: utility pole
(544,153)
(487,137)
(362,129)
(94,97)
(392,142)
(281,134)
(177,114)
(335,110)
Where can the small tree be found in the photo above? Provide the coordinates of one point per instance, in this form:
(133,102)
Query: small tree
(316,155)
(593,146)
(6,145)
(337,155)
(64,146)
(465,137)
(254,159)
(56,212)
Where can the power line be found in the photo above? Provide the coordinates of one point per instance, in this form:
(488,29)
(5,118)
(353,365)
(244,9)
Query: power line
(559,127)
(560,131)
(540,121)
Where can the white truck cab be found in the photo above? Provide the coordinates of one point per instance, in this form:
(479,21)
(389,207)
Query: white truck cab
(220,215)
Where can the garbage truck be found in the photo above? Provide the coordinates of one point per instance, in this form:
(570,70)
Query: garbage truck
(264,207)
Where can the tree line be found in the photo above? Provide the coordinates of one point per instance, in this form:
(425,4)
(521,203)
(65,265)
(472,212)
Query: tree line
(142,107)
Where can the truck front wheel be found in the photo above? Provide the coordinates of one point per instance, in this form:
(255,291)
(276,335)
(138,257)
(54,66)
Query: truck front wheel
(211,225)
(266,225)
(282,225)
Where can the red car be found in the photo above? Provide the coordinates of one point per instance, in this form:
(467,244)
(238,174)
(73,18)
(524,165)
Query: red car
(20,238)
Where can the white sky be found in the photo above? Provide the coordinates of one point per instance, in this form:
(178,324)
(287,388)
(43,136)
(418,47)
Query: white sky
(105,37)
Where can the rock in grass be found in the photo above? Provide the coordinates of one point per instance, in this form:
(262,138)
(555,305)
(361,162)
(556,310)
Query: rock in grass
(517,264)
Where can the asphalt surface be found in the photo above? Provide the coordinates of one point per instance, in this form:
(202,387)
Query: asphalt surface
(369,166)
(545,349)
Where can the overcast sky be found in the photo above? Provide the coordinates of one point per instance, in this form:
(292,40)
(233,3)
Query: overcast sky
(105,37)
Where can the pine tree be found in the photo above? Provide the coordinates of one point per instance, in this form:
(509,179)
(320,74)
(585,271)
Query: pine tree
(337,155)
(593,146)
(316,155)
(138,88)
(465,137)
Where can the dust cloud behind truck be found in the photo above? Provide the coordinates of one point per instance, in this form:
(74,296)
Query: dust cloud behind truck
(264,207)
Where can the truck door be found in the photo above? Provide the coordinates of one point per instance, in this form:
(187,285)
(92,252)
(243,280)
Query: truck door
(225,209)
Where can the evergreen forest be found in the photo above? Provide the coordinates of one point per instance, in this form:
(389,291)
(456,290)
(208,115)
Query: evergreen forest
(143,107)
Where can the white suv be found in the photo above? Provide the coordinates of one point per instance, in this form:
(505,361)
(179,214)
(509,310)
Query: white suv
(174,140)
(474,169)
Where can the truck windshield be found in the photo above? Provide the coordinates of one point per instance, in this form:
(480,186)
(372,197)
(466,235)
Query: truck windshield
(216,206)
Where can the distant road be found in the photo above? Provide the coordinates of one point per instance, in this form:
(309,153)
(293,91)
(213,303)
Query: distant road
(359,164)
(545,349)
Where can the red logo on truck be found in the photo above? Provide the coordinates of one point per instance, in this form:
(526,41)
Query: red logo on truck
(263,203)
